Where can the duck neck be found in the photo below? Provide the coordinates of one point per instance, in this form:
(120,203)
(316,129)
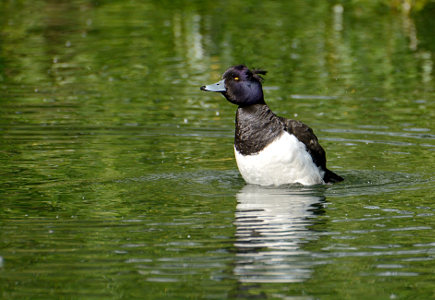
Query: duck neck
(256,126)
(253,102)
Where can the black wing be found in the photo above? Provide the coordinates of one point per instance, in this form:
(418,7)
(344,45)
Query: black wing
(306,135)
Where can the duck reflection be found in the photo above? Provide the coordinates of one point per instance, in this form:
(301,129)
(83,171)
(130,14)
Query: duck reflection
(271,226)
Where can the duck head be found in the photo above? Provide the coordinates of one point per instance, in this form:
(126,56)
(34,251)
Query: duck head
(240,86)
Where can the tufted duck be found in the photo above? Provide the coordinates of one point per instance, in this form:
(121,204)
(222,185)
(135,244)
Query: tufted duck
(270,150)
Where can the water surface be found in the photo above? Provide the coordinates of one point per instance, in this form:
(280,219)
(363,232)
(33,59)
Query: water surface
(117,175)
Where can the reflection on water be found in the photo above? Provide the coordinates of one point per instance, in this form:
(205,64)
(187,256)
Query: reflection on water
(272,224)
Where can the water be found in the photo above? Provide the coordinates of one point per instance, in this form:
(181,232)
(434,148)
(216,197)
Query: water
(117,175)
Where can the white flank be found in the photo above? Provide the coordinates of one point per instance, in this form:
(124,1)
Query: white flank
(283,161)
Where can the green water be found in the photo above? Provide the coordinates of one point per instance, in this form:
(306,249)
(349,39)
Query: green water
(117,175)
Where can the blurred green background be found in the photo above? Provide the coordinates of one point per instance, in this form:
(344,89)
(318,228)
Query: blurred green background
(117,174)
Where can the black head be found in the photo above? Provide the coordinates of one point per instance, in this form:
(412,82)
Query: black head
(240,86)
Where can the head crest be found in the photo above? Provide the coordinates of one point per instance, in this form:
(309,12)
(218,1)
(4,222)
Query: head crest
(258,72)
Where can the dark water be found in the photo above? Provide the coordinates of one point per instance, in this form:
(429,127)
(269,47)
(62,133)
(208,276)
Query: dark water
(117,176)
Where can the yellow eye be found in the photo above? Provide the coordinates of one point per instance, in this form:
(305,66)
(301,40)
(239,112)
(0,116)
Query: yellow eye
(236,78)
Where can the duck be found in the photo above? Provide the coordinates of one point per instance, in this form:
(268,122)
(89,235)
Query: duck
(270,150)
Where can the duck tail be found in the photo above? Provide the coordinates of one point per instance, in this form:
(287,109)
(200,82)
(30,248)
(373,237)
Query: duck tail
(331,177)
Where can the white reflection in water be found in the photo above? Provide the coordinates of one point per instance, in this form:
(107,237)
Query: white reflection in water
(271,225)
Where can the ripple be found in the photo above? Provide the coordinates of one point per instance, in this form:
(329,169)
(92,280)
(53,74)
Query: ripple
(385,133)
(369,182)
(395,274)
